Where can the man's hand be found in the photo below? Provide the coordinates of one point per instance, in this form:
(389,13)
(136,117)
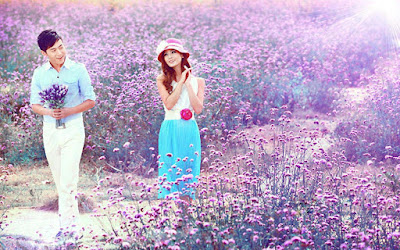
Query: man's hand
(61,113)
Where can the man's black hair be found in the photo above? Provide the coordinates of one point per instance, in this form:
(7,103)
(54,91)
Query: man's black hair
(47,39)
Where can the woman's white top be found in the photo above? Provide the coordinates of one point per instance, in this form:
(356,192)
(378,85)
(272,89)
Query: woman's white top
(183,101)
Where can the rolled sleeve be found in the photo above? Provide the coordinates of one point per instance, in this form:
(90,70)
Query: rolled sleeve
(85,85)
(35,89)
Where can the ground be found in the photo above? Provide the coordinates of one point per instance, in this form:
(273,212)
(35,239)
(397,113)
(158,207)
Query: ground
(32,218)
(35,229)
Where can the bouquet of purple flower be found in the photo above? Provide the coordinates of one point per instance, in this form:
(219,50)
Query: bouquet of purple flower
(53,97)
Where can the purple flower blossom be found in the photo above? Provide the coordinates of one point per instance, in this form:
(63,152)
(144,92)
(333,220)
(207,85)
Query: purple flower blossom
(54,96)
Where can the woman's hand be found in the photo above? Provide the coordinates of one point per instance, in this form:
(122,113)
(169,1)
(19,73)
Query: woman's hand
(196,100)
(186,76)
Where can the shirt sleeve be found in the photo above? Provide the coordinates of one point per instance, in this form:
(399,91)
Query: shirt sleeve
(35,89)
(85,85)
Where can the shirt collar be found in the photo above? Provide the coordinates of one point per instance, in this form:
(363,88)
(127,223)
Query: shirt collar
(47,65)
(67,64)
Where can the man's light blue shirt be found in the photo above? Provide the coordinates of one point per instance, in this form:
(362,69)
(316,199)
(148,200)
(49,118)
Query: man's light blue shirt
(72,74)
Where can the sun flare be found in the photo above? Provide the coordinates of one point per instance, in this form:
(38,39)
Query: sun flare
(389,11)
(389,8)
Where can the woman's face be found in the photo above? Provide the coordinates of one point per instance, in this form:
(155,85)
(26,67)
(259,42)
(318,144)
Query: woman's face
(173,58)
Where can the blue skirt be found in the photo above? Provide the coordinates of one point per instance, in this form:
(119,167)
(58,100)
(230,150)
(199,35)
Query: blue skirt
(179,148)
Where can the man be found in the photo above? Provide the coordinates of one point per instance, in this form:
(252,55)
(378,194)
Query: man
(63,146)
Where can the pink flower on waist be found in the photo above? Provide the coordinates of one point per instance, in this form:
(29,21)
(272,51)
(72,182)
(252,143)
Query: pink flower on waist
(186,114)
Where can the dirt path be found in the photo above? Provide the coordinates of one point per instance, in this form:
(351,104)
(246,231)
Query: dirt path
(30,228)
(36,229)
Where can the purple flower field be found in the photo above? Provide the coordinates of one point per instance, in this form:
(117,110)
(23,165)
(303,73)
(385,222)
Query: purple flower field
(266,181)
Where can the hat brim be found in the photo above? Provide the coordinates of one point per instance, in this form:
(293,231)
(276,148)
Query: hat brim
(177,48)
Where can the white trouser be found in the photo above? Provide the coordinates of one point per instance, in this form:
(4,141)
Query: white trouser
(63,148)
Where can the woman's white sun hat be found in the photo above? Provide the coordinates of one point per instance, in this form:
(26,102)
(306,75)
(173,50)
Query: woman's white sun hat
(170,43)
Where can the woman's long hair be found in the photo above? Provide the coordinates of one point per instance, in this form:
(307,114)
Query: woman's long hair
(169,72)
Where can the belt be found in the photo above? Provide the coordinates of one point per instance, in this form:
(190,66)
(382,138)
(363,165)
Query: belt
(174,115)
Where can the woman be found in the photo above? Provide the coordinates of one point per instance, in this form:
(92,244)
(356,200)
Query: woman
(179,140)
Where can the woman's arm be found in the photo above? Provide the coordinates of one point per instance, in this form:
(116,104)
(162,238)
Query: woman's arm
(168,99)
(197,100)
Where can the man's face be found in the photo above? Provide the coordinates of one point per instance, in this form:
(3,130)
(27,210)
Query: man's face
(56,54)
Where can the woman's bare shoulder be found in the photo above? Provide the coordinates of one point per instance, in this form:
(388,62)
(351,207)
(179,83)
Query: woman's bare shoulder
(161,77)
